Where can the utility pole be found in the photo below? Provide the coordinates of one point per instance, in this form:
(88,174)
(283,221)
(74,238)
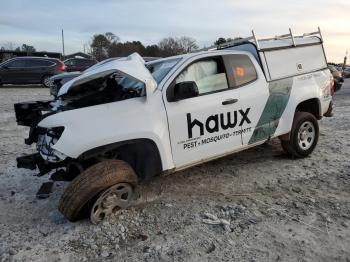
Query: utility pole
(63,45)
(345,58)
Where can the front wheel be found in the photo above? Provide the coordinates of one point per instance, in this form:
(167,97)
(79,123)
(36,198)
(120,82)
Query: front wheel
(46,81)
(303,137)
(101,190)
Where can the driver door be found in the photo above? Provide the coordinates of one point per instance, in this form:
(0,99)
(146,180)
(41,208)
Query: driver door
(207,125)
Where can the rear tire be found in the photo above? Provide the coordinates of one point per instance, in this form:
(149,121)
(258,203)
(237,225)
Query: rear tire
(84,191)
(46,81)
(303,137)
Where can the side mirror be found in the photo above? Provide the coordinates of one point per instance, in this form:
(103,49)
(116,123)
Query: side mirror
(184,90)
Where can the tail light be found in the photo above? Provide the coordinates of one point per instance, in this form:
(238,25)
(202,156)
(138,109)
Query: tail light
(331,86)
(61,66)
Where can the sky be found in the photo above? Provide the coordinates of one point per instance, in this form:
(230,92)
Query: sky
(39,22)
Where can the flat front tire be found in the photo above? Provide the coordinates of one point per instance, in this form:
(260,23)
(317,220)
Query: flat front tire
(303,136)
(103,189)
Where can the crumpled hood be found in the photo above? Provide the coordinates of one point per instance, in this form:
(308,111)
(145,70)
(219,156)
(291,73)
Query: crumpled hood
(66,75)
(132,66)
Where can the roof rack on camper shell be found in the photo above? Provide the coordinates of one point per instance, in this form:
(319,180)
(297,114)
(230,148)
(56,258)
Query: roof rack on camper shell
(265,43)
(299,54)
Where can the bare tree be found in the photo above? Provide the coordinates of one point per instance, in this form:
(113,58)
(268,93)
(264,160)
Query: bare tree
(10,46)
(174,46)
(188,44)
(170,46)
(28,48)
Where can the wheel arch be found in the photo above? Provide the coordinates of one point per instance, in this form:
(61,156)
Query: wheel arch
(312,106)
(142,154)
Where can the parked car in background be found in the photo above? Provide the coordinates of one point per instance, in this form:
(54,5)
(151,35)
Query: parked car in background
(78,64)
(59,80)
(346,72)
(337,76)
(30,70)
(339,68)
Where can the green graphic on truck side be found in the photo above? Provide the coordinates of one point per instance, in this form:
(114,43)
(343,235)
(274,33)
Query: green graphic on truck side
(273,110)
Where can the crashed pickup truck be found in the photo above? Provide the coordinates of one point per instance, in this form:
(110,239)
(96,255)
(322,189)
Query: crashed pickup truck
(106,133)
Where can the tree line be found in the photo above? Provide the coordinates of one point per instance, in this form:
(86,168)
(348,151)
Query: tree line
(9,46)
(107,45)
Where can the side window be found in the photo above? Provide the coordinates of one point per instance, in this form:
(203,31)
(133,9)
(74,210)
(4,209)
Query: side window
(47,63)
(86,62)
(208,74)
(34,63)
(70,62)
(16,63)
(240,70)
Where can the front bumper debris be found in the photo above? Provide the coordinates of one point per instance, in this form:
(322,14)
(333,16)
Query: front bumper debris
(35,161)
(30,113)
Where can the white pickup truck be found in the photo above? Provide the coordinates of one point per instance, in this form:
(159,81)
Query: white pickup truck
(107,132)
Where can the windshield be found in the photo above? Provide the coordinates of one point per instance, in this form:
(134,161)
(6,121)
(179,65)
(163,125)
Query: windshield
(160,69)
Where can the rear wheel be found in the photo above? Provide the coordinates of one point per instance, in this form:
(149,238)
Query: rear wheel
(46,81)
(303,137)
(102,189)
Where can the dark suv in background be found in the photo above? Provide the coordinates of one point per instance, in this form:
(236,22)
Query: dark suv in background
(30,70)
(78,64)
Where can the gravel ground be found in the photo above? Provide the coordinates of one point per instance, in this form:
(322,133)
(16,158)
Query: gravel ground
(256,205)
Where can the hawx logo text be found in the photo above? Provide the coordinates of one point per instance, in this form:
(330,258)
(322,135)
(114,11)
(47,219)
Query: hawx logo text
(216,122)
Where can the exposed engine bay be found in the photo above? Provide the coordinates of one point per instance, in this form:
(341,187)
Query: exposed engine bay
(107,89)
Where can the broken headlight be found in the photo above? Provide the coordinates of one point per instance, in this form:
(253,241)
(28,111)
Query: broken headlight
(46,140)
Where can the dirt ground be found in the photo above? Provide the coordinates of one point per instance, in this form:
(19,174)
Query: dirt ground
(256,205)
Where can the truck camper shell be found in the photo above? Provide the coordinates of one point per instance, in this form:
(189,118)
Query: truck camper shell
(285,55)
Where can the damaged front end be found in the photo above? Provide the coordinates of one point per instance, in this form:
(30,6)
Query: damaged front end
(30,114)
(55,134)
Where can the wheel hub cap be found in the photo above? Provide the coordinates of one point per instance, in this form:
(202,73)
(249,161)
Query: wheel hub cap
(110,201)
(306,135)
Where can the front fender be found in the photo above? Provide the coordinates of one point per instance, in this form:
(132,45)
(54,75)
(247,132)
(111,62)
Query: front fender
(92,127)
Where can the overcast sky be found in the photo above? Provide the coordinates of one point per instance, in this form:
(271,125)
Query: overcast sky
(39,22)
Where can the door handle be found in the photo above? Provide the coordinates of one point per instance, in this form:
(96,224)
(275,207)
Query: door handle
(229,101)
